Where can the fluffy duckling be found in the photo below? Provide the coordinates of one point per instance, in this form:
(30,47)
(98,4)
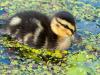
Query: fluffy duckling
(36,29)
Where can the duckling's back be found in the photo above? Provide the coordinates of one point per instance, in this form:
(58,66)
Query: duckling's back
(29,27)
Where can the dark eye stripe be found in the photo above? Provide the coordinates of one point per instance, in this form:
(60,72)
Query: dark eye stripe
(68,28)
(65,26)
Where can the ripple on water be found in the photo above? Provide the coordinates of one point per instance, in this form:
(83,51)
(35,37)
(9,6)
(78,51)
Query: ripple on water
(88,26)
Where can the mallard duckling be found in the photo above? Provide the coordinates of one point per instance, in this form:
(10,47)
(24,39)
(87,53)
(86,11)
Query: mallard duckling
(36,29)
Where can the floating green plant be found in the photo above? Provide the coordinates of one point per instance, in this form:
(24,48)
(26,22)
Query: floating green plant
(37,54)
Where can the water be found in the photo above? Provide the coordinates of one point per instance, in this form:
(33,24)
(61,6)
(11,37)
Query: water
(88,26)
(4,57)
(82,26)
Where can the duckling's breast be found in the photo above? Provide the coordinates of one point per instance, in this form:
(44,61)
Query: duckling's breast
(64,43)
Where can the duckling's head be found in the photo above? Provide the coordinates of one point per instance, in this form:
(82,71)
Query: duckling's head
(63,24)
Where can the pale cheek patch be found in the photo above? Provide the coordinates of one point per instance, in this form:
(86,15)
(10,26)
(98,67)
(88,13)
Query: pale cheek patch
(60,30)
(15,21)
(68,32)
(54,27)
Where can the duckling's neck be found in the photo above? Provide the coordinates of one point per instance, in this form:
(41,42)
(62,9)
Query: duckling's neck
(64,43)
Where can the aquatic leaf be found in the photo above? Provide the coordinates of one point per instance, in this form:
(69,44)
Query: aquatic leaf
(80,70)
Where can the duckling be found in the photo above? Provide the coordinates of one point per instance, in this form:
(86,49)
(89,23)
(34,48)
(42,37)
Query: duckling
(37,30)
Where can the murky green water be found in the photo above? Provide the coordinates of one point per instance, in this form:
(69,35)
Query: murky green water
(87,14)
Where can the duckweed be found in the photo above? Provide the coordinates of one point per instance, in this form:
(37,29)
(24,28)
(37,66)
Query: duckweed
(24,60)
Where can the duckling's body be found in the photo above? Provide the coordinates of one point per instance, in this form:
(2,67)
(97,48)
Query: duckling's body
(36,29)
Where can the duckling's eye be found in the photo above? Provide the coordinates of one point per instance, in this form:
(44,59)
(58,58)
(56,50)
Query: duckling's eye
(57,25)
(65,26)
